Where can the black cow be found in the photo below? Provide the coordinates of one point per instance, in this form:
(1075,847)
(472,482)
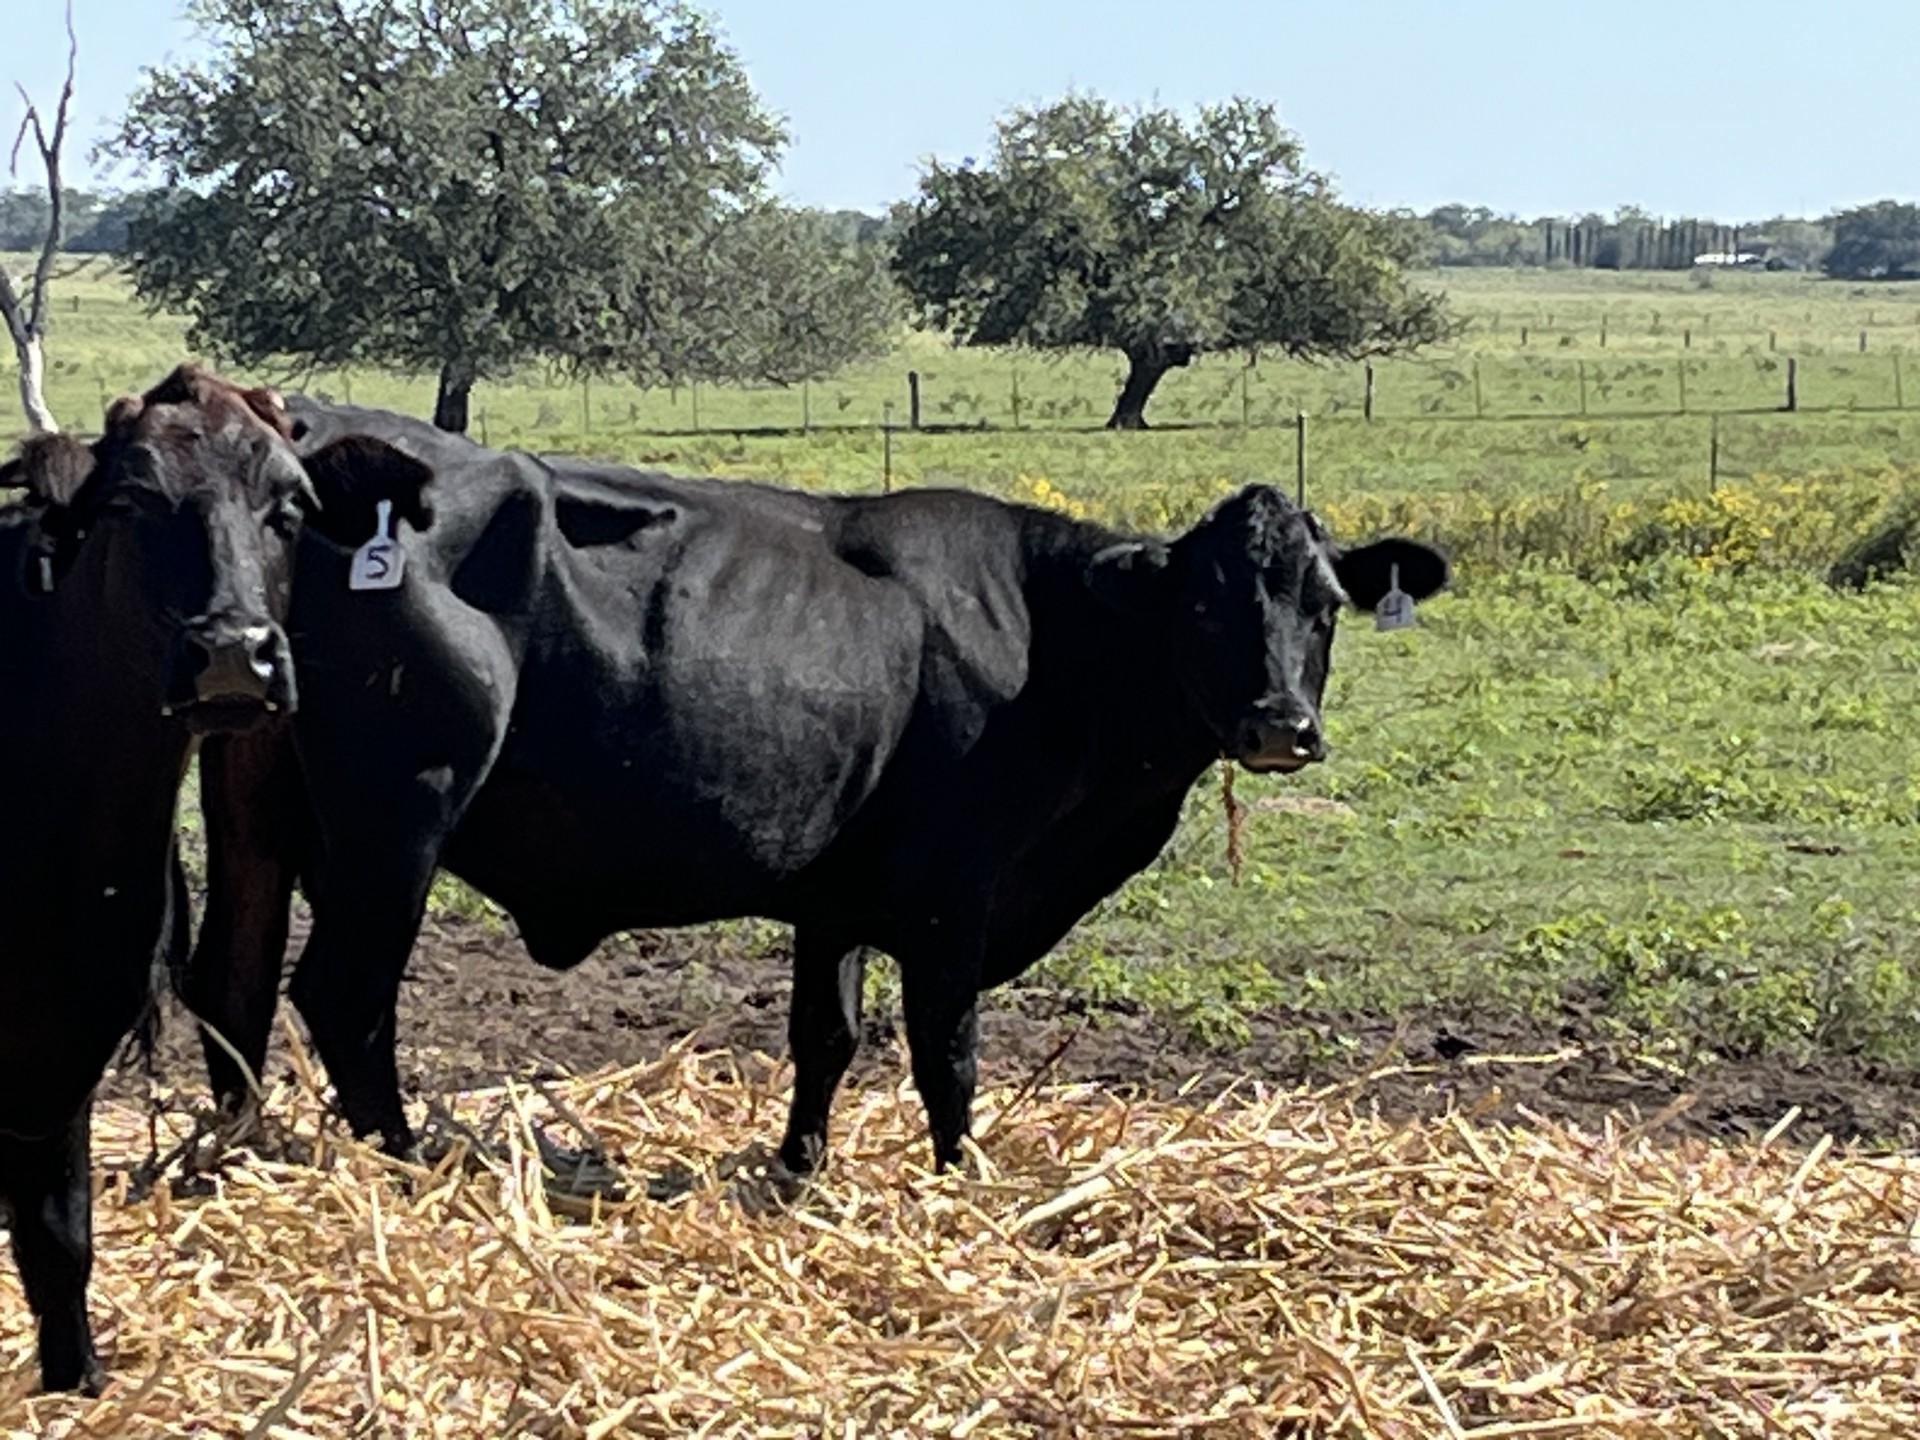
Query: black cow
(932,723)
(143,581)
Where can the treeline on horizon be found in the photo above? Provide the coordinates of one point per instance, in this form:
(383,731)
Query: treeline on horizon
(1631,239)
(95,223)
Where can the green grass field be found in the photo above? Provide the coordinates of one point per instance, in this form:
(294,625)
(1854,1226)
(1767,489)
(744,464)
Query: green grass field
(1642,768)
(1424,434)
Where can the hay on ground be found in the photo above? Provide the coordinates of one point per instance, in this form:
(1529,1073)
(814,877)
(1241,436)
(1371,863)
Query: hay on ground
(1268,1263)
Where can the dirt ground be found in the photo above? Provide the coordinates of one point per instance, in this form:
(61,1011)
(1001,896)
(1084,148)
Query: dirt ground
(475,1010)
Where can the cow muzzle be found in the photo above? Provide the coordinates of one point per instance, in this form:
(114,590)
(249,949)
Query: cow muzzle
(231,677)
(1278,744)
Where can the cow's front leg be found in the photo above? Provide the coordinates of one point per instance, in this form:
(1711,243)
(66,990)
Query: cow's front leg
(347,986)
(940,994)
(823,1030)
(254,805)
(49,1185)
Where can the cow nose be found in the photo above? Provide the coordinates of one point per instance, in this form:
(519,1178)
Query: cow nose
(1271,739)
(236,666)
(256,644)
(1308,743)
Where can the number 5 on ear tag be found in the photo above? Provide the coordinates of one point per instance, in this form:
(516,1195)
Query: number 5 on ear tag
(380,563)
(1395,610)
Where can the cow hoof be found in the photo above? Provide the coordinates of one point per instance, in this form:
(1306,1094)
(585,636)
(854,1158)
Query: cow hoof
(81,1374)
(238,1123)
(801,1155)
(761,1181)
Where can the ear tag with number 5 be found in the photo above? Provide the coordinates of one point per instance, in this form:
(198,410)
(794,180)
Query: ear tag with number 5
(1395,610)
(380,563)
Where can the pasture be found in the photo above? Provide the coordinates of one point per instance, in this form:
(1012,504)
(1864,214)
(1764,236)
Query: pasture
(1633,812)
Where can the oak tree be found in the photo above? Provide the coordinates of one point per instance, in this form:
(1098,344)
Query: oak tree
(450,186)
(1096,227)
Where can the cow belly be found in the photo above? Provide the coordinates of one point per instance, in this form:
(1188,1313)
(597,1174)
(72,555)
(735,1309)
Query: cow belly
(677,794)
(575,866)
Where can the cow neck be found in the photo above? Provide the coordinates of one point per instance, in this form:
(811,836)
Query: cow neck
(103,761)
(1115,668)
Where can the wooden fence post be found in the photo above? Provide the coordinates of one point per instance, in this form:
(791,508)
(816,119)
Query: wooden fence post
(913,399)
(1713,456)
(1366,404)
(1793,383)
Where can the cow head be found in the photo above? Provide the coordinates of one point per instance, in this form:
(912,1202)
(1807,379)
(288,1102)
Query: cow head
(182,513)
(1246,603)
(190,504)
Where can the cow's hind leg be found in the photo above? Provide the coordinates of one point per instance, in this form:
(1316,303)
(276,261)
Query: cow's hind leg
(347,985)
(940,996)
(823,1030)
(49,1185)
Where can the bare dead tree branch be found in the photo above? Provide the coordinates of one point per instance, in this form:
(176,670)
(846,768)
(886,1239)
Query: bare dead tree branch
(26,318)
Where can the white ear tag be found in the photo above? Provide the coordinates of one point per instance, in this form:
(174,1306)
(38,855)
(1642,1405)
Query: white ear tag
(1395,610)
(380,564)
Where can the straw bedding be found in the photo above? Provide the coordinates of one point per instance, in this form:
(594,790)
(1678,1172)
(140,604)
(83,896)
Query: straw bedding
(1264,1264)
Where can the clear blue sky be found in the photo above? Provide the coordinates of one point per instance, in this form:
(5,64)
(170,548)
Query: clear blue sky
(1735,110)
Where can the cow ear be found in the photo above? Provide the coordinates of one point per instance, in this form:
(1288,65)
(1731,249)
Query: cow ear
(1127,577)
(123,413)
(52,467)
(351,475)
(270,407)
(1368,572)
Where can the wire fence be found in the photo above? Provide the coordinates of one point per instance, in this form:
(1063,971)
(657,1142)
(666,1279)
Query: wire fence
(1041,396)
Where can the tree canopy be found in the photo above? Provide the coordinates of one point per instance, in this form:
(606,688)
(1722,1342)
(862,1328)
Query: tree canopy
(791,295)
(1876,242)
(456,186)
(1098,227)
